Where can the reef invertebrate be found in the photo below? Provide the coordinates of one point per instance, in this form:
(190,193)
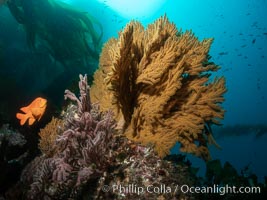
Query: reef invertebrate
(157,80)
(82,151)
(48,136)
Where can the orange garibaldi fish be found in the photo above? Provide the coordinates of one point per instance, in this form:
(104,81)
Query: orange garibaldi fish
(33,112)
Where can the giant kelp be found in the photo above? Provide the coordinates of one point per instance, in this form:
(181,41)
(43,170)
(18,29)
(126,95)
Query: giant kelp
(2,2)
(1,53)
(158,81)
(69,35)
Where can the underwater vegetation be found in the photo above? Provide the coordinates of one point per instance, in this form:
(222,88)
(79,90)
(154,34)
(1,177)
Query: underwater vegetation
(2,2)
(68,35)
(238,130)
(89,152)
(158,80)
(69,39)
(81,154)
(62,43)
(152,90)
(1,53)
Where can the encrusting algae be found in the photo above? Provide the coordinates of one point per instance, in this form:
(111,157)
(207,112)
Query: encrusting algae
(159,81)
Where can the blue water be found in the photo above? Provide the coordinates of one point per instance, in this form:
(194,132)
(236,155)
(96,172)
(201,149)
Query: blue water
(240,31)
(239,28)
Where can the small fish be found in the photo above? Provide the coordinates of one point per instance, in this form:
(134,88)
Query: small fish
(223,53)
(32,112)
(253,41)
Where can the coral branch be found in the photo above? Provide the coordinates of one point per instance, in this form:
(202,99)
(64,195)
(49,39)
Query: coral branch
(82,150)
(158,80)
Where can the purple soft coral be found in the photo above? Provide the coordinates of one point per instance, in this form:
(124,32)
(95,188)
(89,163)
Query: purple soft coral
(86,139)
(83,149)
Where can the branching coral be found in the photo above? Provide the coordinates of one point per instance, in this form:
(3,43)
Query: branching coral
(48,136)
(90,155)
(82,151)
(84,146)
(158,80)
